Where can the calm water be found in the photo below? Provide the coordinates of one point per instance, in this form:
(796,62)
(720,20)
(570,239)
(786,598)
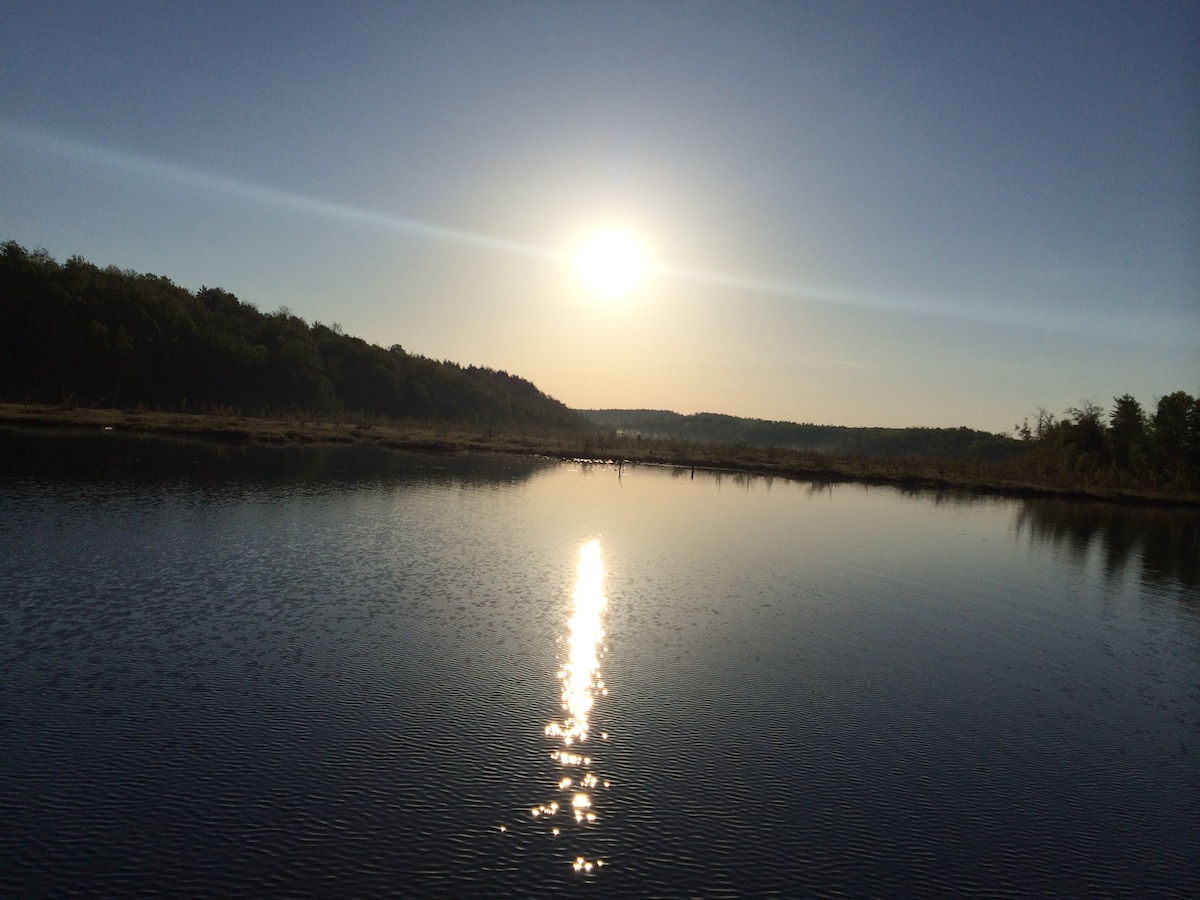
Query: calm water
(322,674)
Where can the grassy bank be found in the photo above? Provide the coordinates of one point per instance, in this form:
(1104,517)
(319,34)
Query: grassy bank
(1019,477)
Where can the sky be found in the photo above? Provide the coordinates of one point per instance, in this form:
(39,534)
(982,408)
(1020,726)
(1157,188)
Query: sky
(859,213)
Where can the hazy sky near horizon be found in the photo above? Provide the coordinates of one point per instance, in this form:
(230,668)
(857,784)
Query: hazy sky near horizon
(859,213)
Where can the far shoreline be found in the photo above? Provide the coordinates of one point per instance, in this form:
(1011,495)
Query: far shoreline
(596,447)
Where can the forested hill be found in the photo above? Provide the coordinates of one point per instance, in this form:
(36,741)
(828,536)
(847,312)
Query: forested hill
(927,443)
(78,333)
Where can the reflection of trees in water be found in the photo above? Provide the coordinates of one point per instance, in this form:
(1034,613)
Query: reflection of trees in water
(84,456)
(952,496)
(1166,542)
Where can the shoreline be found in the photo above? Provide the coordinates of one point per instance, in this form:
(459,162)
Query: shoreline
(220,428)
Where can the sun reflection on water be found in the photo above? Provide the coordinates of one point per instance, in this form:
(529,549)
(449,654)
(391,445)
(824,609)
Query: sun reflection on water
(581,685)
(580,674)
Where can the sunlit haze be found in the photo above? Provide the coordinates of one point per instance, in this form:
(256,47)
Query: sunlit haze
(863,214)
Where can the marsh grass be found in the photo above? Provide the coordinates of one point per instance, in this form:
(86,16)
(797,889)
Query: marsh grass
(1024,475)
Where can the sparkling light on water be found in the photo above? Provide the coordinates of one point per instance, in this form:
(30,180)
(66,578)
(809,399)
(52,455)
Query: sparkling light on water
(580,674)
(581,684)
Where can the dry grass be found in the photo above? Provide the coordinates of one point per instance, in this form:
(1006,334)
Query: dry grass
(1013,478)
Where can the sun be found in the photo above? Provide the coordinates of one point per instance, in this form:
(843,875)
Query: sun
(611,263)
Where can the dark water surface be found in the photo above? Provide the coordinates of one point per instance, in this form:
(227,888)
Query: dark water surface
(321,674)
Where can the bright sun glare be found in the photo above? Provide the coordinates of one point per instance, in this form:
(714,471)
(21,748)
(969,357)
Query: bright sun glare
(611,263)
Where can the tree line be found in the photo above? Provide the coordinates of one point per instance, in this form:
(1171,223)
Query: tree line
(1128,445)
(77,333)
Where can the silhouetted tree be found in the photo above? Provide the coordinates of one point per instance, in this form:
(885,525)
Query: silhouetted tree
(1087,432)
(1127,431)
(1176,430)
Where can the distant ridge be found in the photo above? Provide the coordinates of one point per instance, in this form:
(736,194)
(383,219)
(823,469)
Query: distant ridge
(927,443)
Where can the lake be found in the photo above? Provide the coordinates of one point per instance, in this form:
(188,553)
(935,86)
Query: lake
(286,673)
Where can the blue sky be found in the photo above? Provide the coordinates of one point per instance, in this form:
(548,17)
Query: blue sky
(857,213)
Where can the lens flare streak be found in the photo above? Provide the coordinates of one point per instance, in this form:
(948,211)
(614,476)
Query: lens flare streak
(145,168)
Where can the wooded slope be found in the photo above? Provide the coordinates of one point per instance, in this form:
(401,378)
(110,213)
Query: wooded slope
(81,334)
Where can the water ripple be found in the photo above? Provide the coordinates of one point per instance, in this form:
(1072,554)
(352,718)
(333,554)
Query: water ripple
(258,689)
